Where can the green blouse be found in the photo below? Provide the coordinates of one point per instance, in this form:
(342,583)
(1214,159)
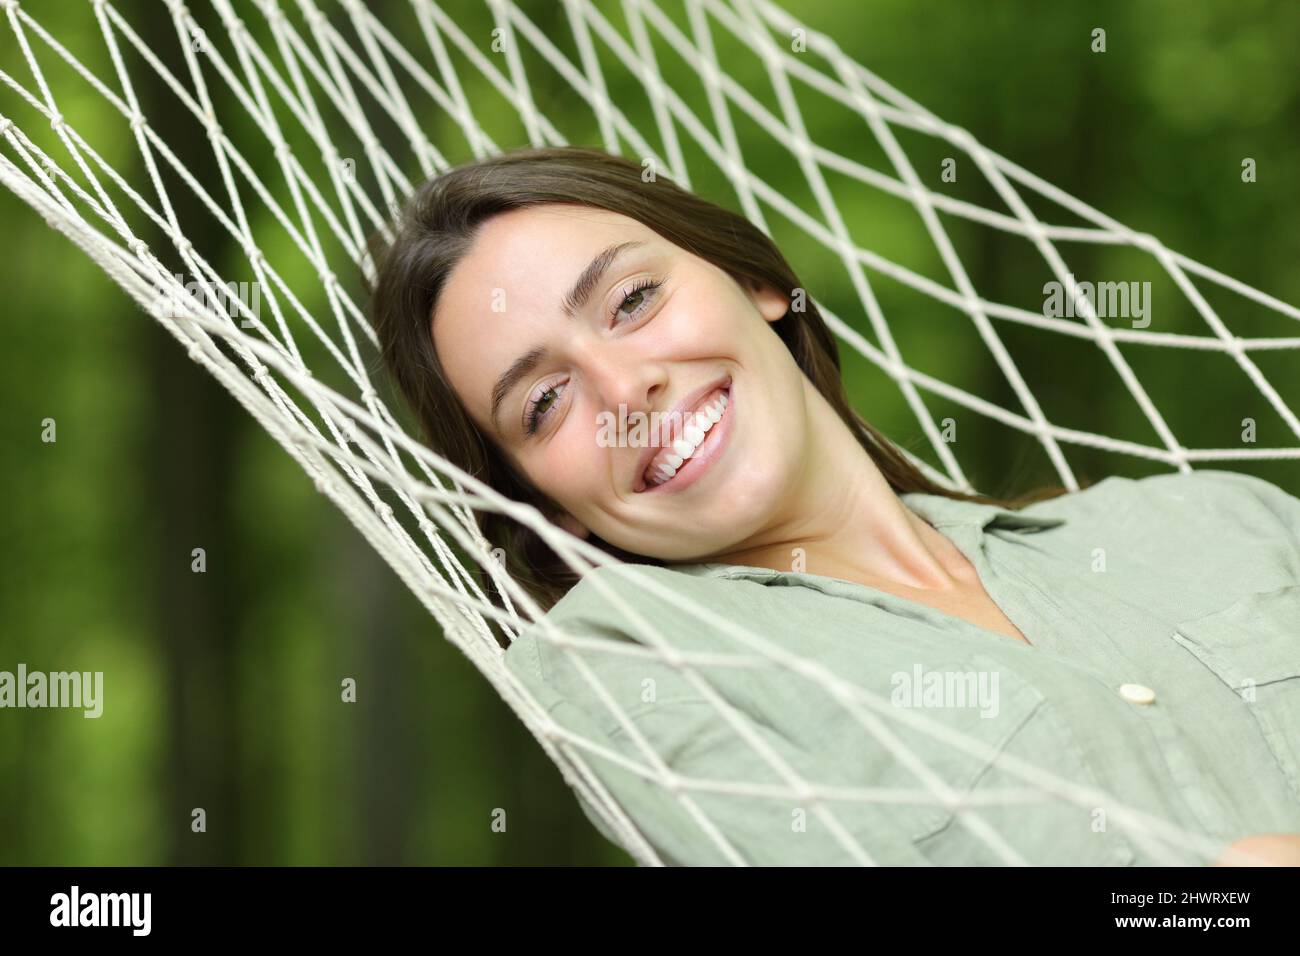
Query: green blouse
(1161,687)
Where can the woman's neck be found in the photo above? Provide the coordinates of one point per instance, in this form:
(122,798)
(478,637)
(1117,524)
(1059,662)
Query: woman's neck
(842,520)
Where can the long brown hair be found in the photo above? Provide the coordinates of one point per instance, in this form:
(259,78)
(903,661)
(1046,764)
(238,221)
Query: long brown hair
(436,229)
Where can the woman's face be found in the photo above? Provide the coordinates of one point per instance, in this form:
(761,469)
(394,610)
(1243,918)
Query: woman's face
(566,326)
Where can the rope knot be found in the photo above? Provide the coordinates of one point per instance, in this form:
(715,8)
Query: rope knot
(210,123)
(137,121)
(1144,240)
(56,121)
(963,138)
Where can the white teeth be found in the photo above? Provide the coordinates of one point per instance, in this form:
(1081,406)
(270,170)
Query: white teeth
(692,437)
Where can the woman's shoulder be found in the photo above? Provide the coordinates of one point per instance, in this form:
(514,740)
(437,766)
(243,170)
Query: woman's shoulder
(614,638)
(1227,531)
(629,610)
(1211,493)
(613,592)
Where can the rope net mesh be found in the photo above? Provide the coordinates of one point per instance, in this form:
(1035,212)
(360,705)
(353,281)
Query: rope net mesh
(291,133)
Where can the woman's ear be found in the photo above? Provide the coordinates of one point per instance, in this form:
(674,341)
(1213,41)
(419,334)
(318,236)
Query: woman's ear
(771,304)
(572,525)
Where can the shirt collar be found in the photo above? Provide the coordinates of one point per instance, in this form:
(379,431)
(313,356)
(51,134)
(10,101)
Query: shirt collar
(941,510)
(937,510)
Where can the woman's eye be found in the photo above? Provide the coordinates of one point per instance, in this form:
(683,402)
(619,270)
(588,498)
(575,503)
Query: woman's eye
(635,300)
(539,406)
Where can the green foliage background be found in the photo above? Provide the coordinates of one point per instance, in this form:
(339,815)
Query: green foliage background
(222,688)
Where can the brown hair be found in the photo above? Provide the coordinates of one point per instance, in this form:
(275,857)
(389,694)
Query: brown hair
(437,228)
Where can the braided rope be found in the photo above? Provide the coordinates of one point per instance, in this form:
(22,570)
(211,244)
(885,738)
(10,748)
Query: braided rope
(315,87)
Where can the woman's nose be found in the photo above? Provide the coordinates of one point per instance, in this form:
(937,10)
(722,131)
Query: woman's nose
(627,380)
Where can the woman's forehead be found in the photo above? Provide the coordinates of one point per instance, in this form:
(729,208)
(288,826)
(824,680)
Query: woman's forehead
(548,235)
(535,253)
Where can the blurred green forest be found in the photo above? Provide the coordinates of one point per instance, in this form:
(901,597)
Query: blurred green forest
(222,688)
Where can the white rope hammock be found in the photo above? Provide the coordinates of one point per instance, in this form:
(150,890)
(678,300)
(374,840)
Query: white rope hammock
(301,82)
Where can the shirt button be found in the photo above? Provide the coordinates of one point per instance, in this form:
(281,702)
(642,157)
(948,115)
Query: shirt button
(1137,693)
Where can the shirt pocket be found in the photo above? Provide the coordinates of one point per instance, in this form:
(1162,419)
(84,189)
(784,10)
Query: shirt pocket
(1047,829)
(933,729)
(1253,646)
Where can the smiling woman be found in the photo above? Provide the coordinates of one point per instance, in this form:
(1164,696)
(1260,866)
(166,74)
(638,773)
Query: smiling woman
(531,298)
(530,294)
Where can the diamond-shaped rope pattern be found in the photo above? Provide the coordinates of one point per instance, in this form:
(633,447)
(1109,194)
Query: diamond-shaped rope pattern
(277,98)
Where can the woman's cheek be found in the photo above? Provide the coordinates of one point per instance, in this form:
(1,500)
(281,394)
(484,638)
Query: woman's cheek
(574,463)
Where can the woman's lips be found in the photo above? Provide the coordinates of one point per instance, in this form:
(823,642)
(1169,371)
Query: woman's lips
(686,437)
(708,450)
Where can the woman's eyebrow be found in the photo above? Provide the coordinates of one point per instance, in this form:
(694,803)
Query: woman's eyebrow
(518,369)
(586,284)
(573,301)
